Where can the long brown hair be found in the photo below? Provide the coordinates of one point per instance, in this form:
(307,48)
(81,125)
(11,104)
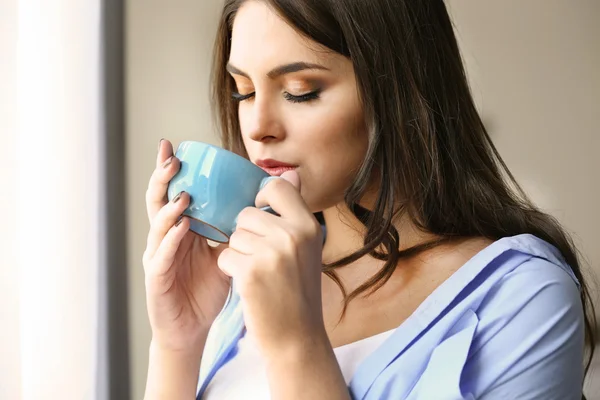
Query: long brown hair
(435,160)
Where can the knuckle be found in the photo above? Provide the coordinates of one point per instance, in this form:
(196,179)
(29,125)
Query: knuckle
(156,221)
(234,240)
(245,215)
(290,240)
(153,191)
(223,258)
(295,237)
(146,258)
(148,194)
(242,216)
(273,258)
(169,245)
(162,177)
(153,223)
(245,285)
(156,176)
(314,229)
(279,183)
(299,235)
(160,220)
(253,275)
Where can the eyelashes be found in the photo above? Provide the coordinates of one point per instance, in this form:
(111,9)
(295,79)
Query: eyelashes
(303,98)
(241,97)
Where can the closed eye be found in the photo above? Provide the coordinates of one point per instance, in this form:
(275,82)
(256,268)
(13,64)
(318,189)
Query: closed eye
(241,97)
(288,96)
(303,97)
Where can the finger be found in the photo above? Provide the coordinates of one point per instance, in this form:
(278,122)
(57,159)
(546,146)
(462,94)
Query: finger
(284,199)
(293,178)
(257,222)
(244,241)
(165,255)
(232,262)
(164,153)
(165,150)
(164,220)
(156,194)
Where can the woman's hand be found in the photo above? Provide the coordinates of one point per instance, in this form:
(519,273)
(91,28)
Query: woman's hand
(276,265)
(185,290)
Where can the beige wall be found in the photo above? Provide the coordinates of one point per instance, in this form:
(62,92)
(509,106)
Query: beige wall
(534,68)
(168,48)
(534,73)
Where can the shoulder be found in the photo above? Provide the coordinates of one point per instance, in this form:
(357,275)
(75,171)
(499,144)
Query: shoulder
(543,284)
(539,296)
(530,333)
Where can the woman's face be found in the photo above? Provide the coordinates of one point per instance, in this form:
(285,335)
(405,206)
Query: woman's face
(298,105)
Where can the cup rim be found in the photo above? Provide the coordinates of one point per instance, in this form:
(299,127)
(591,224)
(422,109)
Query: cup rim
(229,152)
(210,226)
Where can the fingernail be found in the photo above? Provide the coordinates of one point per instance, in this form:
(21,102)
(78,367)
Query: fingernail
(176,198)
(168,162)
(179,221)
(160,143)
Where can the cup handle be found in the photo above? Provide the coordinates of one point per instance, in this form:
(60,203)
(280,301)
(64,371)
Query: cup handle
(269,210)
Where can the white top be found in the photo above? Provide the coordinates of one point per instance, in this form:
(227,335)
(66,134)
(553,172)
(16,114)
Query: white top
(245,377)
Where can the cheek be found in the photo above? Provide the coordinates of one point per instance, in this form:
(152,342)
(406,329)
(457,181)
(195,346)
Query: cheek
(341,136)
(335,150)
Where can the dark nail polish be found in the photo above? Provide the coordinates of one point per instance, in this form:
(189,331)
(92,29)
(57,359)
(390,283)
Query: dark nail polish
(168,162)
(179,221)
(176,198)
(160,143)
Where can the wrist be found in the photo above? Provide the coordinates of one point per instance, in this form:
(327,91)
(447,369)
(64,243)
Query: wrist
(183,354)
(166,344)
(301,351)
(172,373)
(309,368)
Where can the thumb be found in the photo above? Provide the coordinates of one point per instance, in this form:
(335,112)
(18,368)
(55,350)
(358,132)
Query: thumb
(292,177)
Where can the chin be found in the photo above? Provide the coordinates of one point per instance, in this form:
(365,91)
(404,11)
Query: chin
(316,205)
(313,205)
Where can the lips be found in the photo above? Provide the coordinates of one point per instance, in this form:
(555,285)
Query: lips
(274,167)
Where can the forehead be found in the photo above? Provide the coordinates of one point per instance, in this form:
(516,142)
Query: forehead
(261,39)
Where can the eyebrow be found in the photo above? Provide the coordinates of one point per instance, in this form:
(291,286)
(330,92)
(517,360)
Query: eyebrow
(279,71)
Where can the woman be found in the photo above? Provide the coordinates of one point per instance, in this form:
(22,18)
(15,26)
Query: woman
(434,278)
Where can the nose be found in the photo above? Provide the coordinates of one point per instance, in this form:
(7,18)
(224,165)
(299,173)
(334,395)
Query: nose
(262,121)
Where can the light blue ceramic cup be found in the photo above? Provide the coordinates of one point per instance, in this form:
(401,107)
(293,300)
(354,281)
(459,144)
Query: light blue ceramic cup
(221,184)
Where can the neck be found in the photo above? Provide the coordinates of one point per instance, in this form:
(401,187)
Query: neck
(345,233)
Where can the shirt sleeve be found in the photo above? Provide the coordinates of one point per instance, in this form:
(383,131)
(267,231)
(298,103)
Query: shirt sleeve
(530,339)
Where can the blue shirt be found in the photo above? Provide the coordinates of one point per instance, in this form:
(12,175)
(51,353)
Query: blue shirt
(507,325)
